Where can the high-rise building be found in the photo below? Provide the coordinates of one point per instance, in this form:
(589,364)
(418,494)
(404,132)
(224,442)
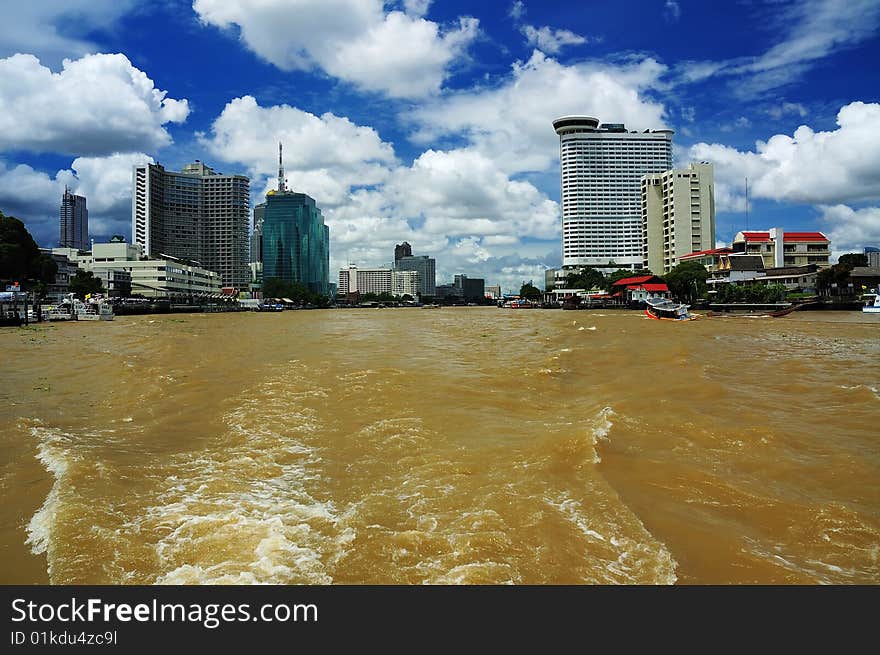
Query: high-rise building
(873,255)
(402,250)
(295,240)
(73,222)
(426,267)
(197,214)
(678,215)
(602,167)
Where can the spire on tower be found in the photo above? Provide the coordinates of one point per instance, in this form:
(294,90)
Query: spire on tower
(281,188)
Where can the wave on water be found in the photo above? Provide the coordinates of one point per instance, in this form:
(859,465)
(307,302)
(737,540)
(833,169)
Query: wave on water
(52,451)
(873,390)
(625,554)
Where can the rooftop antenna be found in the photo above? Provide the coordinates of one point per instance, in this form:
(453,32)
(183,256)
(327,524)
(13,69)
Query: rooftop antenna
(281,186)
(747,203)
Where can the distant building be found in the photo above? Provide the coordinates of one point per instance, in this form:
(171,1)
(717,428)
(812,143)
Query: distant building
(67,268)
(365,280)
(550,278)
(493,291)
(405,283)
(73,222)
(678,215)
(402,250)
(197,215)
(295,240)
(446,291)
(873,256)
(469,288)
(601,169)
(426,267)
(779,248)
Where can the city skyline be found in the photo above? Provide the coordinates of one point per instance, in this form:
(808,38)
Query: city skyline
(444,139)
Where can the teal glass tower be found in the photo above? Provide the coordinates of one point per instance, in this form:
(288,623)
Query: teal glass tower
(296,243)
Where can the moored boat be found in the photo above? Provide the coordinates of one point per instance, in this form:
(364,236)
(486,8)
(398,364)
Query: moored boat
(872,303)
(663,309)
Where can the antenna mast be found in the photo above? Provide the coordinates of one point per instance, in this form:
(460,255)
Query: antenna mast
(747,203)
(281,187)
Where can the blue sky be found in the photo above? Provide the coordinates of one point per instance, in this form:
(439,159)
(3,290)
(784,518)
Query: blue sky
(431,121)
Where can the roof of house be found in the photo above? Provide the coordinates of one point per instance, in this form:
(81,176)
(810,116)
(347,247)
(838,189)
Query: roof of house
(865,271)
(703,253)
(784,271)
(804,236)
(746,263)
(763,237)
(756,236)
(633,280)
(648,287)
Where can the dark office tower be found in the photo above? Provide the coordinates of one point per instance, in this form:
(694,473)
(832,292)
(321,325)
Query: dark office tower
(402,250)
(296,243)
(73,222)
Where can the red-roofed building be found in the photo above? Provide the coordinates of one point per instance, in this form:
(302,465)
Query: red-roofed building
(640,279)
(784,249)
(632,290)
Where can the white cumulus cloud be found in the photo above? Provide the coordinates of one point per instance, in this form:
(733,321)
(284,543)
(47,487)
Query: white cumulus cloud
(34,196)
(325,155)
(839,166)
(95,105)
(54,29)
(397,53)
(512,123)
(850,230)
(549,40)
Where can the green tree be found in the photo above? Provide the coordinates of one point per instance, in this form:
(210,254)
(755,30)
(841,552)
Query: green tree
(687,281)
(839,275)
(529,291)
(588,278)
(853,259)
(85,282)
(21,259)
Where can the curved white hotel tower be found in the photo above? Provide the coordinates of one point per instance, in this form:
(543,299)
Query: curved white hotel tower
(602,168)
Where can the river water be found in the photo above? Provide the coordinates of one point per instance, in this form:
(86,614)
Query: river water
(454,445)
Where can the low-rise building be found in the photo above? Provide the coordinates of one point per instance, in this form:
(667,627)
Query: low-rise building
(124,271)
(67,268)
(779,248)
(630,290)
(710,259)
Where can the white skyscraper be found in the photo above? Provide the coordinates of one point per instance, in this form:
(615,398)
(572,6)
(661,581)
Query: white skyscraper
(602,167)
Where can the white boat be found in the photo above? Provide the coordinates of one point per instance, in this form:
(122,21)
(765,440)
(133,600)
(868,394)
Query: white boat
(93,312)
(664,309)
(872,303)
(57,313)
